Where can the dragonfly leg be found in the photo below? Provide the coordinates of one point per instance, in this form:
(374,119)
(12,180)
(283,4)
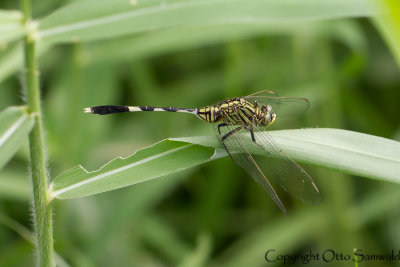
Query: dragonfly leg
(221,125)
(250,126)
(253,138)
(231,132)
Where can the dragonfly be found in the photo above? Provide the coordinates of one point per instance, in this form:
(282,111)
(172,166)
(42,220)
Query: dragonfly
(240,124)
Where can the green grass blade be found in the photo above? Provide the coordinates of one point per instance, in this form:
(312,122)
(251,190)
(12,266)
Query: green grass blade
(145,196)
(279,234)
(158,160)
(18,228)
(162,237)
(24,233)
(389,26)
(8,16)
(14,186)
(200,255)
(346,151)
(180,38)
(11,27)
(15,125)
(10,60)
(93,20)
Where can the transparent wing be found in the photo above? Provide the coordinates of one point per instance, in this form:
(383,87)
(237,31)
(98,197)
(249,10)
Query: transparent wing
(236,146)
(269,93)
(280,168)
(264,160)
(283,106)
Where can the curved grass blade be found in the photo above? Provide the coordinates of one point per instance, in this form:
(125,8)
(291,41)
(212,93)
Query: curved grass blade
(174,39)
(93,20)
(14,186)
(11,26)
(346,151)
(11,58)
(155,161)
(15,124)
(350,152)
(26,234)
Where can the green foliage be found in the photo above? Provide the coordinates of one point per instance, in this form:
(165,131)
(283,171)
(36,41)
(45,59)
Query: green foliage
(156,161)
(15,124)
(11,27)
(204,211)
(83,21)
(13,185)
(389,26)
(346,151)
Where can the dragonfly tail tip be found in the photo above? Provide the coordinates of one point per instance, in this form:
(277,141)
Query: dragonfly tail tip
(87,110)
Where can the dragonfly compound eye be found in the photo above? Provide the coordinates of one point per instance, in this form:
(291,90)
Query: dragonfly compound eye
(266,109)
(272,118)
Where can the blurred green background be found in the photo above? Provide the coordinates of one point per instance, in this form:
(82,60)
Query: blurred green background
(214,214)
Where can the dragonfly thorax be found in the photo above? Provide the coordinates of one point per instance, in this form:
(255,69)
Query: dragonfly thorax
(238,111)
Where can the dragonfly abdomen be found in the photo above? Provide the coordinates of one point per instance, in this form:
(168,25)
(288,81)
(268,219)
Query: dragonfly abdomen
(109,109)
(209,114)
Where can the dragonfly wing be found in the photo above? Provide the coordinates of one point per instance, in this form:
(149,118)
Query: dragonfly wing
(237,148)
(281,169)
(283,106)
(269,93)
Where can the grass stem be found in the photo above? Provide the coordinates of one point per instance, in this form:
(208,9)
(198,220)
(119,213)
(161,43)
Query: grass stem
(37,146)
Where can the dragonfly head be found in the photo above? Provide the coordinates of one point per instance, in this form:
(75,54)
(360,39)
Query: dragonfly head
(268,115)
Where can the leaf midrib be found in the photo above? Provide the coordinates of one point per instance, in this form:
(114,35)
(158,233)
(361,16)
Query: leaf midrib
(345,149)
(114,17)
(135,13)
(111,172)
(14,127)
